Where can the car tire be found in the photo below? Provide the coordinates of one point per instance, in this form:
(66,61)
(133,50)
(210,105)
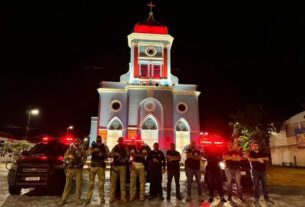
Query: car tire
(14,190)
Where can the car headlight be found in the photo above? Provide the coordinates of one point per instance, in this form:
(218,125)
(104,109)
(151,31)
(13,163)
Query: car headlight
(222,165)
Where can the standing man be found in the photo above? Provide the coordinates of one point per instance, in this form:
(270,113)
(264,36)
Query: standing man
(258,161)
(233,158)
(138,155)
(192,163)
(213,173)
(74,158)
(156,167)
(99,153)
(173,158)
(120,155)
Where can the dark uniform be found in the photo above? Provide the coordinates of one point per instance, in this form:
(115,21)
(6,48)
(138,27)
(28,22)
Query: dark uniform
(138,170)
(74,158)
(120,155)
(193,168)
(99,153)
(213,172)
(173,170)
(259,174)
(156,163)
(233,170)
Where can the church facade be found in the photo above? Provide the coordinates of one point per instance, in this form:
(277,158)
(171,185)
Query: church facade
(148,104)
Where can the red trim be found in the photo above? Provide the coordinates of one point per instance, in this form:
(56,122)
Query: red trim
(140,28)
(165,61)
(136,62)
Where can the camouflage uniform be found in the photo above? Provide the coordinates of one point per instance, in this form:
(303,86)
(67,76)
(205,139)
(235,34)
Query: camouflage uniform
(120,162)
(74,158)
(99,153)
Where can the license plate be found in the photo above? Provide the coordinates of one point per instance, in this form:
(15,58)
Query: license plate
(32,178)
(243,172)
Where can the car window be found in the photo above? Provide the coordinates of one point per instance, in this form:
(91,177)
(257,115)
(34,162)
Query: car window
(52,149)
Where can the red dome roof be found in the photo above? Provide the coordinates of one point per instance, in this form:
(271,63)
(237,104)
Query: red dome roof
(150,26)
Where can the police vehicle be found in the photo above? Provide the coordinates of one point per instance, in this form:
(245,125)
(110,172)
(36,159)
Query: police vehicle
(41,166)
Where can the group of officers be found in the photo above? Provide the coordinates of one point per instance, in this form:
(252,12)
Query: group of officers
(143,164)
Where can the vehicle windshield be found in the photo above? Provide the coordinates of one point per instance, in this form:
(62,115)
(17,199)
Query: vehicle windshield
(51,149)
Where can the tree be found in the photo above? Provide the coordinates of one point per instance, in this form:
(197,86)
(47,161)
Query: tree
(253,122)
(18,146)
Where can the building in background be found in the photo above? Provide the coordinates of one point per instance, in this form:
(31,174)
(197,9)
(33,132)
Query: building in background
(288,146)
(148,104)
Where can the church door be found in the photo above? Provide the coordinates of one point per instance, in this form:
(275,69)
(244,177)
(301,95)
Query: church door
(149,132)
(182,135)
(115,130)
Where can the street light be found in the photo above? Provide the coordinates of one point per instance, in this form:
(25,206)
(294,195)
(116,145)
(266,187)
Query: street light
(71,127)
(31,112)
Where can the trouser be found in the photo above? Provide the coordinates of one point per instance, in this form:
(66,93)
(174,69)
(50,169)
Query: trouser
(70,174)
(230,173)
(214,181)
(140,172)
(100,172)
(170,174)
(190,173)
(115,172)
(260,177)
(155,178)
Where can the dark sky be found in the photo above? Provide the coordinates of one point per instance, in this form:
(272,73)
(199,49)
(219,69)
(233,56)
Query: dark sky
(54,54)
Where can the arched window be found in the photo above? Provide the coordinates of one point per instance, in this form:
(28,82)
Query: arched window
(149,124)
(181,126)
(115,125)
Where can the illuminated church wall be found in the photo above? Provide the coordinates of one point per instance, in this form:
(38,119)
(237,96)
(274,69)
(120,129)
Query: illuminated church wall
(149,104)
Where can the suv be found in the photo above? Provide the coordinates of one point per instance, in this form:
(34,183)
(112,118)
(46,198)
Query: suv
(41,166)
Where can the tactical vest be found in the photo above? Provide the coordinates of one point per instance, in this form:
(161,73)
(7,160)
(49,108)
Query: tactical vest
(98,157)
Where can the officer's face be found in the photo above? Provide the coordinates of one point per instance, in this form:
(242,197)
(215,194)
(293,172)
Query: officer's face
(173,147)
(156,147)
(254,147)
(99,140)
(120,141)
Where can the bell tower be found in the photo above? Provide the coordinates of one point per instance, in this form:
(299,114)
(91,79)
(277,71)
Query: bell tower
(150,47)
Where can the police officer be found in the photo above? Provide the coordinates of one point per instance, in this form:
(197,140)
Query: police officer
(173,158)
(99,153)
(232,158)
(138,155)
(156,167)
(213,173)
(259,160)
(192,164)
(120,155)
(74,159)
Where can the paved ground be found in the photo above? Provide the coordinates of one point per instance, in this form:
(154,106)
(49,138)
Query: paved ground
(282,196)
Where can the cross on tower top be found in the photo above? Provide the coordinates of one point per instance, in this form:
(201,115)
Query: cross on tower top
(151,5)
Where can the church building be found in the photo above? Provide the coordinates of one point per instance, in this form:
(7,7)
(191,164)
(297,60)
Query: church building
(148,104)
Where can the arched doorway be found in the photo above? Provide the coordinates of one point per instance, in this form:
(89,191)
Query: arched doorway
(182,134)
(115,130)
(149,131)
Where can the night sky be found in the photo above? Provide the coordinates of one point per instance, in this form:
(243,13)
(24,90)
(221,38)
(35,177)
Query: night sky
(54,54)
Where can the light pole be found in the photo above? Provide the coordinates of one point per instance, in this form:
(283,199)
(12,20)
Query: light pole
(31,112)
(71,127)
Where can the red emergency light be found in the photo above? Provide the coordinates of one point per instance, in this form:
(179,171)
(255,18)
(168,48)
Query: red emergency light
(67,139)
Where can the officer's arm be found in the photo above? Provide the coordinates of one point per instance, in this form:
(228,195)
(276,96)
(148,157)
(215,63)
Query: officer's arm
(67,153)
(252,159)
(107,152)
(163,161)
(113,153)
(148,158)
